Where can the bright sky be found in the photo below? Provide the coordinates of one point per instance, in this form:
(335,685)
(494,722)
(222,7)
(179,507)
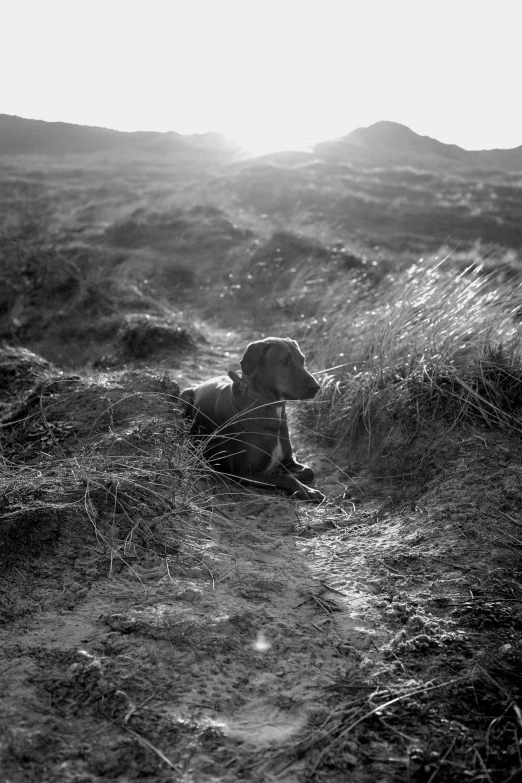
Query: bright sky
(273,73)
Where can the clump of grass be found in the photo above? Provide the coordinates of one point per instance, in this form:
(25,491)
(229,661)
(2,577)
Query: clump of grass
(142,335)
(430,344)
(110,454)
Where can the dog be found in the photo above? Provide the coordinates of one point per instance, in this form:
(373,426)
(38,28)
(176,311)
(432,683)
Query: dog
(246,416)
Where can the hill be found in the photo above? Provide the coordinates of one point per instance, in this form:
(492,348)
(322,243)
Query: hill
(390,143)
(23,136)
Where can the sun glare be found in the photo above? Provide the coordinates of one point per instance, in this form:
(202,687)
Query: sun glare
(260,143)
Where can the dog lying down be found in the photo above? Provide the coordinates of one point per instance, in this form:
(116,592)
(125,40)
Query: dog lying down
(246,413)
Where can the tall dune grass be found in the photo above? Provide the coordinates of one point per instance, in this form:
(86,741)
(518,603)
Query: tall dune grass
(430,344)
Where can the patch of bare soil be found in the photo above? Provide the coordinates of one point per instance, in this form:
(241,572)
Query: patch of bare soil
(162,625)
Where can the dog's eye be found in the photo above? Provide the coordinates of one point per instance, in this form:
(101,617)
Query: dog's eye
(285,360)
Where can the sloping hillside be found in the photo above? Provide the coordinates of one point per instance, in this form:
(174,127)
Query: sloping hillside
(391,144)
(36,137)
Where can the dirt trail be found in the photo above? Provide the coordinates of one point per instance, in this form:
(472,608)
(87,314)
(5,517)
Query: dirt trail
(275,626)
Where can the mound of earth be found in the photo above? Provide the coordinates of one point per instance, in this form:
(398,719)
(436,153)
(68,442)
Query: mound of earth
(21,371)
(142,335)
(200,228)
(71,442)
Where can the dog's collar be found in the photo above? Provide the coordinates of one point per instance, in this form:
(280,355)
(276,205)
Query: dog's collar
(242,386)
(238,381)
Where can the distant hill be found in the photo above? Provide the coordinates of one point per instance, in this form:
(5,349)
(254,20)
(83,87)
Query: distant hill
(390,143)
(383,144)
(23,136)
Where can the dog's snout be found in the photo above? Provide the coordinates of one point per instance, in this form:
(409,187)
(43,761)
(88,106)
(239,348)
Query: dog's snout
(313,389)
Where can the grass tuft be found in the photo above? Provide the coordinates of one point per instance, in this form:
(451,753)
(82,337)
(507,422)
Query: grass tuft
(430,344)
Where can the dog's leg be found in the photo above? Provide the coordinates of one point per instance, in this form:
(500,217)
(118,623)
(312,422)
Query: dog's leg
(289,463)
(246,458)
(187,403)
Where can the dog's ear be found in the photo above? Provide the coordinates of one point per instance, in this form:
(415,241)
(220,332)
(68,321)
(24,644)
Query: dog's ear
(252,356)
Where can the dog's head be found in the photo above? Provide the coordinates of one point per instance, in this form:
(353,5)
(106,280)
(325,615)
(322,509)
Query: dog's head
(278,364)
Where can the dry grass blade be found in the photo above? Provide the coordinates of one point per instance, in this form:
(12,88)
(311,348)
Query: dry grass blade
(153,748)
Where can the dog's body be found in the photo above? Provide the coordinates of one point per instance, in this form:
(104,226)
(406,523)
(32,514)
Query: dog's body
(247,417)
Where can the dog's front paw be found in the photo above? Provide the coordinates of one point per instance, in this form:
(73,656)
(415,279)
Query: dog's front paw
(300,472)
(308,493)
(306,474)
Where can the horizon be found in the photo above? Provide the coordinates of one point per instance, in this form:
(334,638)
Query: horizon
(306,147)
(275,76)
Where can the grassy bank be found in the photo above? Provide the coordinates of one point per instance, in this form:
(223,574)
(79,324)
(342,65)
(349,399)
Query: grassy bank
(107,454)
(433,345)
